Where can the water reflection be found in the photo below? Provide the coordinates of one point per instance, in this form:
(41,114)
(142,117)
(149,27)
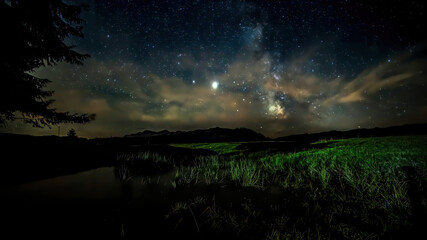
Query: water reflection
(107,184)
(113,201)
(123,172)
(103,202)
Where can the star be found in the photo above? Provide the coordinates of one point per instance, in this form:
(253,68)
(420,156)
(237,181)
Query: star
(214,85)
(288,66)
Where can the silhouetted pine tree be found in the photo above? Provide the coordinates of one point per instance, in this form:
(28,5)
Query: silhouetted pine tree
(72,133)
(33,34)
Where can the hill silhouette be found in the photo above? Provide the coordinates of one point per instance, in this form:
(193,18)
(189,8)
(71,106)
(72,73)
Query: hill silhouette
(200,135)
(408,129)
(246,135)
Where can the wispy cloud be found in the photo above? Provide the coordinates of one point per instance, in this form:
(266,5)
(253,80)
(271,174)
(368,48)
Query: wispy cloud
(251,93)
(384,76)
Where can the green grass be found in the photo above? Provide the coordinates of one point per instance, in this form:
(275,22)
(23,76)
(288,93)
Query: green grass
(220,148)
(363,157)
(142,156)
(352,189)
(361,188)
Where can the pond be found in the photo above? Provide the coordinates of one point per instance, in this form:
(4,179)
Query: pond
(113,203)
(97,203)
(97,185)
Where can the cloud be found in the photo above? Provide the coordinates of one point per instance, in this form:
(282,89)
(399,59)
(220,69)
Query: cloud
(368,82)
(252,92)
(127,94)
(77,101)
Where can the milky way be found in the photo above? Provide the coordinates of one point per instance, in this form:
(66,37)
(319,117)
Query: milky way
(277,67)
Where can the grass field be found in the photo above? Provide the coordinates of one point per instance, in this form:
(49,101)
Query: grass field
(360,188)
(219,148)
(363,188)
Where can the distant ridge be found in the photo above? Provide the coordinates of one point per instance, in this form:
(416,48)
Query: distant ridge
(201,135)
(228,135)
(408,129)
(243,134)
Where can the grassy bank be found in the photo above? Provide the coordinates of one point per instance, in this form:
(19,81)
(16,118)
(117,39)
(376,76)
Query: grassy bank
(364,188)
(355,161)
(219,148)
(361,188)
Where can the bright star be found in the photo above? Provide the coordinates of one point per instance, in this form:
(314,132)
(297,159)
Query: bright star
(214,84)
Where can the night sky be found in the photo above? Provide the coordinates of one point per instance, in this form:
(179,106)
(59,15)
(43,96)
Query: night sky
(277,67)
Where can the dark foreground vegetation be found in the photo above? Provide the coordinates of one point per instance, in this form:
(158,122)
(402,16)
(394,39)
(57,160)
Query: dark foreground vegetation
(366,188)
(355,188)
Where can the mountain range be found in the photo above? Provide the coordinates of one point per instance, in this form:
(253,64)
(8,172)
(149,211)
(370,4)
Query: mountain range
(243,134)
(201,135)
